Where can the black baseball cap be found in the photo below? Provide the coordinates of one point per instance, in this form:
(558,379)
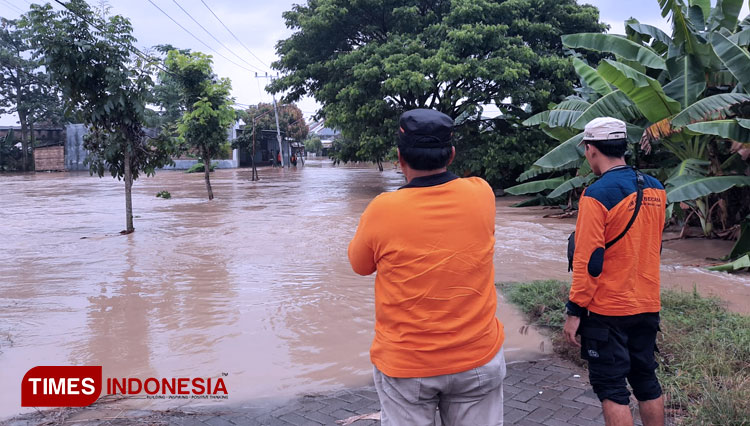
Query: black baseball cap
(425,128)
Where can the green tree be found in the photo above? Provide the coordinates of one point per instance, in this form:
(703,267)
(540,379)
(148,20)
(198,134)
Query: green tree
(166,94)
(368,61)
(24,88)
(291,123)
(90,57)
(208,106)
(314,145)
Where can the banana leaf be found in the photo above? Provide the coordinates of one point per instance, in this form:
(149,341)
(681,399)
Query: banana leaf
(536,186)
(705,7)
(539,200)
(655,33)
(563,154)
(688,187)
(537,119)
(733,164)
(557,133)
(689,167)
(724,15)
(591,77)
(697,21)
(670,211)
(689,83)
(633,64)
(683,33)
(616,104)
(741,263)
(571,184)
(714,107)
(737,130)
(742,246)
(634,133)
(644,91)
(565,114)
(741,38)
(735,58)
(617,45)
(535,171)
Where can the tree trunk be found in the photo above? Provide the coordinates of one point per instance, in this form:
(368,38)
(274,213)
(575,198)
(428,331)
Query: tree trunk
(24,140)
(206,171)
(128,190)
(32,142)
(380,165)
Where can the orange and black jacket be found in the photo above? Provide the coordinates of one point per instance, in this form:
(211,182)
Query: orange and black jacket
(623,279)
(432,244)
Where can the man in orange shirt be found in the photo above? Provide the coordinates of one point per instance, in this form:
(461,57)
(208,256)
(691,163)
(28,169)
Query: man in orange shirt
(437,341)
(614,301)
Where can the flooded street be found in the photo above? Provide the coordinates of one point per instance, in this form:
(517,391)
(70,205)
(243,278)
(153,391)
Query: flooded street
(254,284)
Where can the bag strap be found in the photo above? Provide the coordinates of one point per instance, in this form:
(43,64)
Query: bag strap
(641,182)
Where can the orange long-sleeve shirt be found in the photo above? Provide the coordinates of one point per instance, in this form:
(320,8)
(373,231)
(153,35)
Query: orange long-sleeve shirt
(432,244)
(624,279)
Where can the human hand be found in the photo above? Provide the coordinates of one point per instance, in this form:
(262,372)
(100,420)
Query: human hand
(570,329)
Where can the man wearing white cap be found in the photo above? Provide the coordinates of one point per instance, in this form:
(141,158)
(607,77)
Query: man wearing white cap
(614,300)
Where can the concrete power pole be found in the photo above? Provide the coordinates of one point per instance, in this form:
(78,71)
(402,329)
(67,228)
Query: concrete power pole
(276,112)
(278,131)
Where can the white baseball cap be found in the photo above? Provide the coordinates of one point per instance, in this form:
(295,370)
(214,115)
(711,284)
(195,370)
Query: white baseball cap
(604,129)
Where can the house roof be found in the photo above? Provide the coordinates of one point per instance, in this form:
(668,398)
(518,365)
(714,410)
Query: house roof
(318,128)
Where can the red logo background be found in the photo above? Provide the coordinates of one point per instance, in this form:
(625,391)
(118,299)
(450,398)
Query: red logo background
(42,399)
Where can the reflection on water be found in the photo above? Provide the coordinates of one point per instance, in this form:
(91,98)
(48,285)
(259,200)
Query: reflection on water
(254,284)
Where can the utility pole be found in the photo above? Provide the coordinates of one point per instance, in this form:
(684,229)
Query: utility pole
(255,170)
(252,159)
(276,112)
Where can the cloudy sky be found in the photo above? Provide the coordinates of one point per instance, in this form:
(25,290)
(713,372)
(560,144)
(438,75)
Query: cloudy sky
(259,25)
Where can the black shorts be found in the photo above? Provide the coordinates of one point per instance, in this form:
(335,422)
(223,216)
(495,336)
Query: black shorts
(620,348)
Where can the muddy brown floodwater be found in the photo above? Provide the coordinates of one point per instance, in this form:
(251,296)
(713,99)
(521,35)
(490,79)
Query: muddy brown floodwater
(254,284)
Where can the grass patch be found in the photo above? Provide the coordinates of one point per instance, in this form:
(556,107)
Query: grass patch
(705,349)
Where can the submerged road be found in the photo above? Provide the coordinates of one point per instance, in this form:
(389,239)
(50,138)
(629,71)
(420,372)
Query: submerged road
(253,286)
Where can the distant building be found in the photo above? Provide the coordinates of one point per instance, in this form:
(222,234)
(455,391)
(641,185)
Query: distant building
(49,146)
(326,135)
(266,148)
(61,148)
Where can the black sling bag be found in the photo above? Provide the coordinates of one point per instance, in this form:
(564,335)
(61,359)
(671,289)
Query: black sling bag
(640,181)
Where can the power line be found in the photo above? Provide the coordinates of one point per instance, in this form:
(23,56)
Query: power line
(235,37)
(132,49)
(13,6)
(199,40)
(212,36)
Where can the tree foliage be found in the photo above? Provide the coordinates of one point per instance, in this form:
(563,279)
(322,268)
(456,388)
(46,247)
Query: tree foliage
(686,101)
(25,88)
(368,61)
(314,145)
(166,94)
(207,103)
(291,123)
(90,57)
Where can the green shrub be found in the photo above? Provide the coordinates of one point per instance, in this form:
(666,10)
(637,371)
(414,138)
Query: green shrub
(198,168)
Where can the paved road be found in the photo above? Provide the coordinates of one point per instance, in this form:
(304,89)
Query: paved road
(549,392)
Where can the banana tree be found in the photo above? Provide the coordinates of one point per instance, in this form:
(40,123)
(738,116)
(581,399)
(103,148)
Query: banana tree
(680,95)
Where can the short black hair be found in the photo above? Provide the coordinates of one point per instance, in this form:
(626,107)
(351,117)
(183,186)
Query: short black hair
(426,158)
(614,148)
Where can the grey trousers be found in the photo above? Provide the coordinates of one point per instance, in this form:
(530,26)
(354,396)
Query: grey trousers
(473,397)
